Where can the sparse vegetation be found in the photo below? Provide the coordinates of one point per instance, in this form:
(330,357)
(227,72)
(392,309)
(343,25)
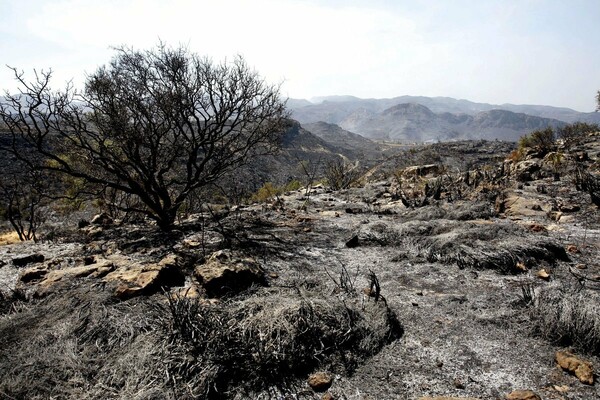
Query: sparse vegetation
(571,134)
(23,196)
(340,174)
(542,140)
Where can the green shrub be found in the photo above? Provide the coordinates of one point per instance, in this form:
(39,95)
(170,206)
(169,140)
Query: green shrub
(265,193)
(542,140)
(292,185)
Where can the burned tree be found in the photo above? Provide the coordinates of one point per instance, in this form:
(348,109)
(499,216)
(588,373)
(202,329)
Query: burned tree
(22,199)
(155,124)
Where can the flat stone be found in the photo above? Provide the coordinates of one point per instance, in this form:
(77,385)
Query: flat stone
(522,395)
(583,370)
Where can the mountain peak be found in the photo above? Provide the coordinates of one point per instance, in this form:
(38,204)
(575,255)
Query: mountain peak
(408,108)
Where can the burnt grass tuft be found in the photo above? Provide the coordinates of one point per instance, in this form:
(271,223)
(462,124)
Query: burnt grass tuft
(270,339)
(84,344)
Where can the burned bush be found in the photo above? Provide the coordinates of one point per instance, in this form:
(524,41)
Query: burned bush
(569,317)
(272,338)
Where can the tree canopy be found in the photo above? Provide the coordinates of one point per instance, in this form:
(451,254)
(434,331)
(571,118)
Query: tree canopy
(155,125)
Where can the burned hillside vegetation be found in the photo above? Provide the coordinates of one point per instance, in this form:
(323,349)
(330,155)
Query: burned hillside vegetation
(151,252)
(432,281)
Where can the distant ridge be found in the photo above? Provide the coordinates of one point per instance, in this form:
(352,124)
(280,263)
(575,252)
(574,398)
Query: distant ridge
(420,118)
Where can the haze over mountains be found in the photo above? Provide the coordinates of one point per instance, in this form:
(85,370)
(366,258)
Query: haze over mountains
(420,119)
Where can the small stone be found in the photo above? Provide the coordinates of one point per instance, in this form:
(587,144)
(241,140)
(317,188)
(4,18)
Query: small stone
(102,219)
(555,215)
(521,266)
(581,266)
(190,292)
(561,389)
(537,228)
(572,249)
(583,370)
(327,396)
(33,274)
(543,274)
(458,383)
(320,381)
(522,395)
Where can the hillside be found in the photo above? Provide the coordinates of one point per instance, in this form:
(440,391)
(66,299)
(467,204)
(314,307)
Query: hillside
(300,144)
(355,115)
(428,283)
(412,122)
(353,145)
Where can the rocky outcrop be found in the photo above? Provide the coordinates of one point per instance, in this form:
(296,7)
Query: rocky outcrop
(48,280)
(126,278)
(224,273)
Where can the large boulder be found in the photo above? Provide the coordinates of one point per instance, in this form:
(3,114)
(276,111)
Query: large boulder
(224,273)
(422,170)
(527,170)
(140,279)
(515,205)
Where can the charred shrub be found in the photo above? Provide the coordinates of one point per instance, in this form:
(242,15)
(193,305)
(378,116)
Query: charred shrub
(272,337)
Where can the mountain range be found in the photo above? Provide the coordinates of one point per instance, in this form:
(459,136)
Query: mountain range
(420,119)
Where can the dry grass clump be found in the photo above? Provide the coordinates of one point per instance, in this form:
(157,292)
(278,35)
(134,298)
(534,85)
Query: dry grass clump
(267,341)
(497,246)
(570,318)
(501,255)
(9,238)
(10,299)
(84,344)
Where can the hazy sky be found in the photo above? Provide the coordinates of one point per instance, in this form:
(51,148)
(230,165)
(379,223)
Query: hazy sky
(522,52)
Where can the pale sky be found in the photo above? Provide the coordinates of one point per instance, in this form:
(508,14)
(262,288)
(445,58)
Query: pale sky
(521,52)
